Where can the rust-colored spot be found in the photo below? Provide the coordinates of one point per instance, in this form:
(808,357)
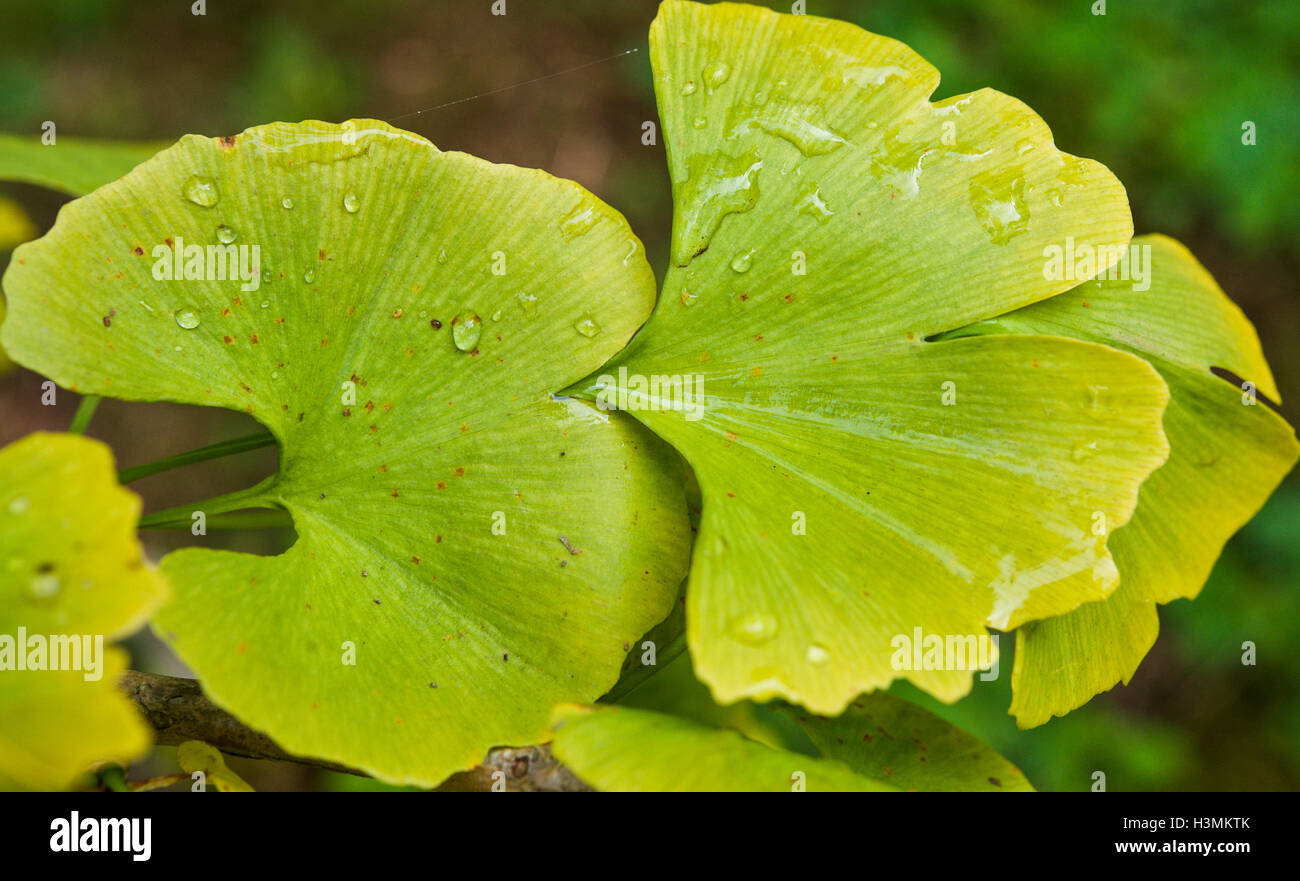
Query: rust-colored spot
(910,335)
(227,142)
(460,472)
(442,485)
(169,243)
(383,469)
(464,427)
(225,313)
(347,411)
(415,560)
(321,254)
(394,493)
(1035,362)
(242,648)
(138,251)
(789,298)
(757,371)
(397,313)
(227,340)
(731,435)
(253,339)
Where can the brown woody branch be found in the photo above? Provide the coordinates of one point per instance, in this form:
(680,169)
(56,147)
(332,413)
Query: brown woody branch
(178,711)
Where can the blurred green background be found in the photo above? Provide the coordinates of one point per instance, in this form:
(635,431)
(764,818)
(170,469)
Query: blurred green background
(1158,91)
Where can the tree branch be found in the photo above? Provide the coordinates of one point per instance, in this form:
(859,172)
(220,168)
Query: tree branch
(178,711)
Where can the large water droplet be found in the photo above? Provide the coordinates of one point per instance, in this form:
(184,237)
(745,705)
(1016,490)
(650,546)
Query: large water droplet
(716,185)
(225,234)
(465,331)
(803,125)
(187,318)
(753,628)
(741,262)
(812,203)
(578,221)
(350,203)
(998,200)
(587,326)
(200,190)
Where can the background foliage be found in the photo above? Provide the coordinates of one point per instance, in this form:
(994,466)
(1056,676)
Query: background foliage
(1156,90)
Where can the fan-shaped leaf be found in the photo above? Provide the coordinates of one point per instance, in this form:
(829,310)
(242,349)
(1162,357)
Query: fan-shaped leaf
(70,165)
(1229,451)
(71,579)
(471,549)
(860,482)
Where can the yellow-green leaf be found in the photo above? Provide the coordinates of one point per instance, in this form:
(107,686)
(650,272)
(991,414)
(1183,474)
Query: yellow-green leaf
(72,575)
(471,548)
(860,482)
(1229,451)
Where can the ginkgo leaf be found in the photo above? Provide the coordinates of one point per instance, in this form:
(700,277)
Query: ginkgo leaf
(72,580)
(862,485)
(886,738)
(617,749)
(1229,451)
(70,165)
(879,743)
(15,226)
(471,549)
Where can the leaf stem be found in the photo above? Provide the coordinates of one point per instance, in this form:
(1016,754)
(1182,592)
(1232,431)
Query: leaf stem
(202,454)
(85,412)
(180,516)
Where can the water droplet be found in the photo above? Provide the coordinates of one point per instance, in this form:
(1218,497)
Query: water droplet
(742,261)
(700,122)
(266,276)
(225,234)
(44,586)
(496,316)
(309,276)
(442,256)
(19,505)
(803,125)
(998,200)
(587,326)
(816,655)
(753,628)
(1025,145)
(813,204)
(286,202)
(578,221)
(716,185)
(689,88)
(716,74)
(465,331)
(200,190)
(187,318)
(1084,451)
(266,304)
(687,297)
(350,203)
(528,302)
